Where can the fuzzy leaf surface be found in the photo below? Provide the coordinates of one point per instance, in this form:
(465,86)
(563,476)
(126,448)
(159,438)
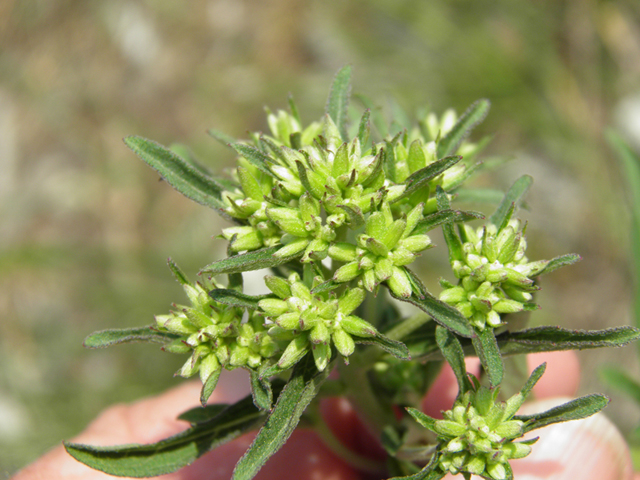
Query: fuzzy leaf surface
(301,388)
(475,114)
(244,262)
(443,217)
(577,409)
(115,336)
(561,261)
(486,347)
(511,200)
(173,453)
(394,347)
(444,314)
(182,176)
(454,355)
(338,100)
(418,179)
(236,299)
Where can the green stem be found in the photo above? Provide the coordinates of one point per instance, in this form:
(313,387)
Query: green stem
(364,400)
(407,326)
(363,464)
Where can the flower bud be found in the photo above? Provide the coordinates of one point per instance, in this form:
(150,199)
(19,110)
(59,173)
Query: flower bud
(347,272)
(343,252)
(278,285)
(343,342)
(357,326)
(399,283)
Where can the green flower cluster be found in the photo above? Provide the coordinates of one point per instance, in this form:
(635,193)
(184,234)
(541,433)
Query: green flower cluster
(495,275)
(382,251)
(214,335)
(313,322)
(477,435)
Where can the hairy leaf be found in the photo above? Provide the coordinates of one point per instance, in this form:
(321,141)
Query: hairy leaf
(561,261)
(236,299)
(486,347)
(475,114)
(443,217)
(454,355)
(453,241)
(107,338)
(510,201)
(177,273)
(256,260)
(222,137)
(209,386)
(444,314)
(394,347)
(255,157)
(185,178)
(202,414)
(301,388)
(261,391)
(577,409)
(174,452)
(338,100)
(418,179)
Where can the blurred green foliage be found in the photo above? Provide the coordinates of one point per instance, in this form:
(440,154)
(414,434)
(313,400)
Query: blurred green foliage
(85,227)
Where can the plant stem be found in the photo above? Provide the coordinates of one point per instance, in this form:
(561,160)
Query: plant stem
(364,400)
(364,464)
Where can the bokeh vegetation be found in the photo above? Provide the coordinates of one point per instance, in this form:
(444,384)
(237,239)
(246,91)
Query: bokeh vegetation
(85,227)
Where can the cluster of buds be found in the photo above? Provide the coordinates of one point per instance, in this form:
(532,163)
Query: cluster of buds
(495,275)
(313,322)
(477,435)
(214,335)
(382,252)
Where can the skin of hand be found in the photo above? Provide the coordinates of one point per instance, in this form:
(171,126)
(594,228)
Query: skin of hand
(590,449)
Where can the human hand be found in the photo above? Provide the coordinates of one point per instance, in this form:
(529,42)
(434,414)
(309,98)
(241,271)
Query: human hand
(590,449)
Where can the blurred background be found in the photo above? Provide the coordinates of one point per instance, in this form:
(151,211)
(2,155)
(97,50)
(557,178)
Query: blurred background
(85,227)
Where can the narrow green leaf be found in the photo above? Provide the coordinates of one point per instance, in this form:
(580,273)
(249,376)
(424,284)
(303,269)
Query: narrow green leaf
(486,347)
(394,347)
(422,418)
(255,157)
(174,452)
(222,137)
(476,113)
(549,339)
(621,381)
(209,386)
(236,299)
(177,273)
(301,388)
(256,260)
(202,414)
(338,100)
(450,237)
(294,109)
(577,409)
(444,217)
(185,178)
(364,129)
(389,159)
(444,314)
(511,200)
(418,179)
(533,379)
(261,391)
(107,338)
(325,286)
(561,261)
(356,218)
(454,355)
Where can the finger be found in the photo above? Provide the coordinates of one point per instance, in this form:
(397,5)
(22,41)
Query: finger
(152,419)
(562,376)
